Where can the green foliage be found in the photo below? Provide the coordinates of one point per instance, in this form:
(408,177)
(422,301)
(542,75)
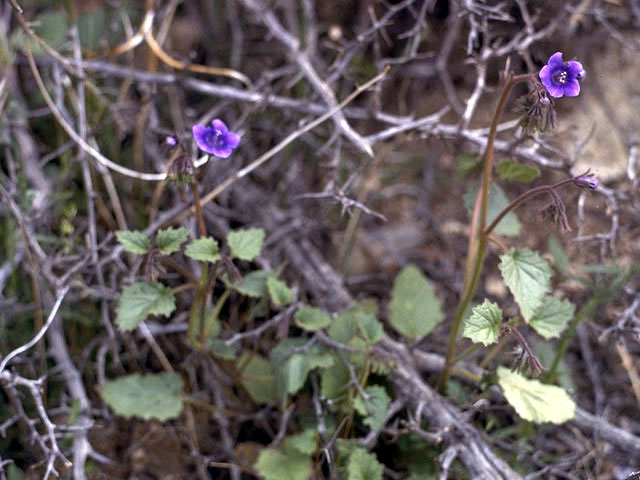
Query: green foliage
(169,240)
(334,380)
(552,317)
(415,310)
(518,172)
(483,326)
(560,257)
(254,284)
(498,201)
(467,164)
(528,277)
(203,249)
(311,318)
(546,354)
(278,291)
(142,299)
(292,361)
(134,241)
(532,399)
(305,442)
(156,396)
(257,378)
(363,465)
(246,244)
(374,408)
(418,457)
(370,328)
(283,464)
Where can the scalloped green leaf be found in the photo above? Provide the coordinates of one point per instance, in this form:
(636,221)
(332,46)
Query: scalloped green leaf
(253,284)
(552,317)
(483,326)
(374,408)
(531,398)
(156,396)
(515,171)
(246,244)
(304,442)
(311,318)
(203,249)
(139,300)
(134,241)
(283,464)
(292,363)
(257,378)
(414,310)
(278,291)
(363,465)
(170,240)
(528,277)
(498,201)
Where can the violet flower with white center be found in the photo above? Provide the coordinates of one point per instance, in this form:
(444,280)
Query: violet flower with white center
(217,139)
(562,78)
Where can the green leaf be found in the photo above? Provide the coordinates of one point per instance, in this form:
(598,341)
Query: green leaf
(305,442)
(374,408)
(156,396)
(560,257)
(141,299)
(311,318)
(531,399)
(498,201)
(363,465)
(257,378)
(415,310)
(334,381)
(370,328)
(169,240)
(278,291)
(217,347)
(483,326)
(275,464)
(203,249)
(92,28)
(291,368)
(546,354)
(246,244)
(254,284)
(528,277)
(467,164)
(134,241)
(519,172)
(552,317)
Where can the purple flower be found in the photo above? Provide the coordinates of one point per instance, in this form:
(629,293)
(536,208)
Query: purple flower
(586,181)
(562,78)
(171,141)
(217,139)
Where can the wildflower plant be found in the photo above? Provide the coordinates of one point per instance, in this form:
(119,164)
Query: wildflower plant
(525,273)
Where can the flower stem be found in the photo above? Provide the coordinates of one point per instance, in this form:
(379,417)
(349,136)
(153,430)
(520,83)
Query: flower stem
(477,238)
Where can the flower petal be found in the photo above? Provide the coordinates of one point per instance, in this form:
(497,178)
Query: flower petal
(203,136)
(572,88)
(555,60)
(545,76)
(223,152)
(556,91)
(219,126)
(233,139)
(575,70)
